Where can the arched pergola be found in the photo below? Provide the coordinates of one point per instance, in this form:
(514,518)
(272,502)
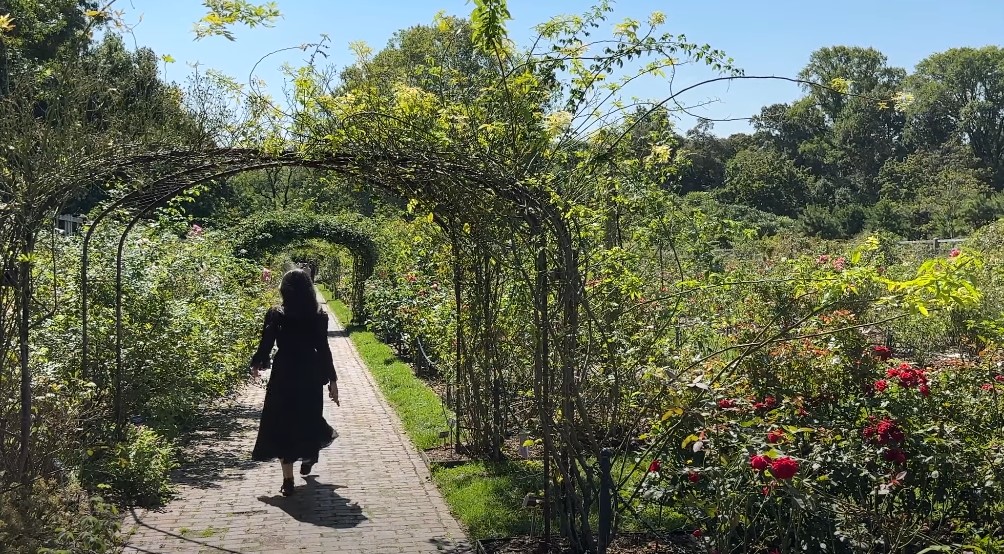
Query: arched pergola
(270,231)
(461,196)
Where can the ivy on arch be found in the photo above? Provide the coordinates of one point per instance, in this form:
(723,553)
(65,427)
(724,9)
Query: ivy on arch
(271,231)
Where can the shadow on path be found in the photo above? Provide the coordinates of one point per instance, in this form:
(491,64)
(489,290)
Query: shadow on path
(318,504)
(197,546)
(212,454)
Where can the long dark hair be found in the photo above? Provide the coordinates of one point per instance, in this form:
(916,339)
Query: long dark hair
(298,296)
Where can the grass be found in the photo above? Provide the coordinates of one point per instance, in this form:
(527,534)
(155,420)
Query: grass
(486,497)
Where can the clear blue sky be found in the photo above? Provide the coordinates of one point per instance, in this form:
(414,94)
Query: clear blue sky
(770,37)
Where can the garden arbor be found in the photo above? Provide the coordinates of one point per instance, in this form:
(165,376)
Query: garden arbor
(489,218)
(270,231)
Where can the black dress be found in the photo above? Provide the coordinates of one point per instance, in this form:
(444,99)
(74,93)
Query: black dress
(292,421)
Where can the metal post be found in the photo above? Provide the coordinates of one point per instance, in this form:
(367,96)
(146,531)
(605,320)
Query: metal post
(606,505)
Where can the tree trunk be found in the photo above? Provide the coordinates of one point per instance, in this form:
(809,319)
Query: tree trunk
(24,322)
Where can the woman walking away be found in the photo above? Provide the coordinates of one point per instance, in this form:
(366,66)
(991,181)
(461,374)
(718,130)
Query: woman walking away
(292,420)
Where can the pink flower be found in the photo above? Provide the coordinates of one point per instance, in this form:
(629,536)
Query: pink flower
(840,263)
(266,275)
(823,259)
(954,253)
(999,378)
(767,404)
(987,386)
(195,231)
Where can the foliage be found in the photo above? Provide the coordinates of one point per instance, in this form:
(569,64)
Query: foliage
(56,518)
(272,231)
(137,469)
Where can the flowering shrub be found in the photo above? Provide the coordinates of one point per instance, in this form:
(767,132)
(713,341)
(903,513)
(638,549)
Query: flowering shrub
(830,442)
(191,319)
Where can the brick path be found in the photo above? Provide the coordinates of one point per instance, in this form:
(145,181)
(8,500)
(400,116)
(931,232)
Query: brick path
(370,492)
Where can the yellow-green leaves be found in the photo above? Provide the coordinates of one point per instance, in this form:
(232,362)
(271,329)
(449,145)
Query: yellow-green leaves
(6,24)
(556,123)
(225,13)
(167,58)
(940,282)
(841,85)
(488,25)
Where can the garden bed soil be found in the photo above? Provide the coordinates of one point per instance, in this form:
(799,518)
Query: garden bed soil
(445,456)
(680,543)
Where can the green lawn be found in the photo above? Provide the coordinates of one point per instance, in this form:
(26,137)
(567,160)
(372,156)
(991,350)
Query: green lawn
(485,497)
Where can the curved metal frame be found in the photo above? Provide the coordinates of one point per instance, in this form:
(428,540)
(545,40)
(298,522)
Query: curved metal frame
(451,185)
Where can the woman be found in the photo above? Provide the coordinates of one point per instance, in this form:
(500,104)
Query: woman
(292,421)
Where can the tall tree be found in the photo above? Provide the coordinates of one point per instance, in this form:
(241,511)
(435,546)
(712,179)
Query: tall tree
(767,180)
(862,70)
(959,95)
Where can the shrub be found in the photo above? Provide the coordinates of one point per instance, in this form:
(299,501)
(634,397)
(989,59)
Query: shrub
(137,469)
(56,517)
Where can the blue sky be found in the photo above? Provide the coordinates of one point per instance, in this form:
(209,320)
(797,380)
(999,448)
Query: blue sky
(769,37)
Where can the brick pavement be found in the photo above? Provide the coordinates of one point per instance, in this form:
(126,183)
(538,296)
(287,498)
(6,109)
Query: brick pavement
(370,491)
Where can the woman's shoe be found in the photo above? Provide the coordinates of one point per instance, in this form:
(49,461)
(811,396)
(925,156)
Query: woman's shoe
(287,488)
(306,466)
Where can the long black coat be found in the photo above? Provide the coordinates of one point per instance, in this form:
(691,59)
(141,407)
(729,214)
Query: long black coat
(292,421)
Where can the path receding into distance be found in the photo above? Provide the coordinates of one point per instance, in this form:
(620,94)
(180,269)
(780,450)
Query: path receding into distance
(369,493)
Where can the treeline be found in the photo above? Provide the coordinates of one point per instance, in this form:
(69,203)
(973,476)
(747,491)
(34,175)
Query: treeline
(917,154)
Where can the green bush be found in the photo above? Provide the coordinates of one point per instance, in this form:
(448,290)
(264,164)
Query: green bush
(55,518)
(137,469)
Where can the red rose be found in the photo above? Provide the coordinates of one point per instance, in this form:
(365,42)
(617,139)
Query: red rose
(881,385)
(894,455)
(999,378)
(888,432)
(784,468)
(655,466)
(726,403)
(882,352)
(759,462)
(765,490)
(768,403)
(697,533)
(693,477)
(924,390)
(775,436)
(987,386)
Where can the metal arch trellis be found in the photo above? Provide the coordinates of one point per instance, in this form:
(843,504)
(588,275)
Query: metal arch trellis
(452,186)
(268,231)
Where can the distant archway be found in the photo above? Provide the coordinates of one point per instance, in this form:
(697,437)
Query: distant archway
(269,232)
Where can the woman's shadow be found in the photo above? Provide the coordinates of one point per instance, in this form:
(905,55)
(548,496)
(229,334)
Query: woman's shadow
(318,504)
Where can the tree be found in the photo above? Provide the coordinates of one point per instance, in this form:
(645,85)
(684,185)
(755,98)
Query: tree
(959,95)
(940,193)
(765,179)
(38,32)
(863,70)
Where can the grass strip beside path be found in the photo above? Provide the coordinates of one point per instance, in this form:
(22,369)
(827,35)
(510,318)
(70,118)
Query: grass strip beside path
(485,497)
